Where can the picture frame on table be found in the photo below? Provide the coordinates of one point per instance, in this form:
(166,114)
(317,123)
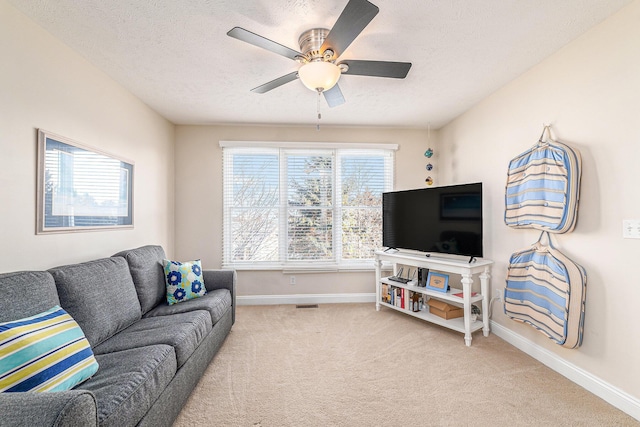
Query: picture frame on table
(437,282)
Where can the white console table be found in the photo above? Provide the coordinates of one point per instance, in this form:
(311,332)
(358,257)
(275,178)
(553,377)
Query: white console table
(467,270)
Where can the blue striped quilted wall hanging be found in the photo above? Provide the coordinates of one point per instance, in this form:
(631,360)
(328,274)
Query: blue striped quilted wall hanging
(547,290)
(543,187)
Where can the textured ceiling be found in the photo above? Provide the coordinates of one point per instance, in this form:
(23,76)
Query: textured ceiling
(176,57)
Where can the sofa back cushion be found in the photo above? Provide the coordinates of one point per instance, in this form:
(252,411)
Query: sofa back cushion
(147,271)
(26,293)
(99,295)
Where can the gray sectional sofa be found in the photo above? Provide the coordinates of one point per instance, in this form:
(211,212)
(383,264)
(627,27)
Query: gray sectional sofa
(150,354)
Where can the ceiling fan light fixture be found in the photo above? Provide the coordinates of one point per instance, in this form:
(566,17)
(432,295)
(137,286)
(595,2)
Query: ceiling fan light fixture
(319,75)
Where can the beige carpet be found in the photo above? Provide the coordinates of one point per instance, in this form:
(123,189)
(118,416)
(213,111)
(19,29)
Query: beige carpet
(349,365)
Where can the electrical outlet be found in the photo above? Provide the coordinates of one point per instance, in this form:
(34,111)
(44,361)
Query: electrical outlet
(497,292)
(292,280)
(631,229)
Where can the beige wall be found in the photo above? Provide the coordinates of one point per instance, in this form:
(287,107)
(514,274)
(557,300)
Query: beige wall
(44,84)
(590,92)
(199,197)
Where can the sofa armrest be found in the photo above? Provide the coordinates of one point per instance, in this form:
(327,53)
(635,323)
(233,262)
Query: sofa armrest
(222,279)
(73,408)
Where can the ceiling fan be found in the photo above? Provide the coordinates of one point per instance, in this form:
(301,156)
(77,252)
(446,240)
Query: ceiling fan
(319,50)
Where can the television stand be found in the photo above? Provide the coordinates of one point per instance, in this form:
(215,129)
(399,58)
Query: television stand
(481,268)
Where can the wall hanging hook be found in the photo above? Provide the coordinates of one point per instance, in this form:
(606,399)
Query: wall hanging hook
(546,129)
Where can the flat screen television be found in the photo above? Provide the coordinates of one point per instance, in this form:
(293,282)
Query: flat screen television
(444,219)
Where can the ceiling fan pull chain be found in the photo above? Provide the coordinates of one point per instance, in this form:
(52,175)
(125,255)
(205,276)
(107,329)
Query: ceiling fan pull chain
(318,109)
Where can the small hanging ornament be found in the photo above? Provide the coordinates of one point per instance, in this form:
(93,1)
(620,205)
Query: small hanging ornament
(428,154)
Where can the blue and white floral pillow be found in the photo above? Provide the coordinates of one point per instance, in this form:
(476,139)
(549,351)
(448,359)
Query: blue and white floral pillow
(184,280)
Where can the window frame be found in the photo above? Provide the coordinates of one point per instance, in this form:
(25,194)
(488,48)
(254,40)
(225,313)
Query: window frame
(338,151)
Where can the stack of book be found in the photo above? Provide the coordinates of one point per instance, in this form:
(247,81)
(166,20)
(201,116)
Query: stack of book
(393,295)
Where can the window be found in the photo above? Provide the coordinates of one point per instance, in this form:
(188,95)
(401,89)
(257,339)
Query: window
(312,206)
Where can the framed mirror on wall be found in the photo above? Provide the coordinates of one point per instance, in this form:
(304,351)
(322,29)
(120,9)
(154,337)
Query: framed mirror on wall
(81,188)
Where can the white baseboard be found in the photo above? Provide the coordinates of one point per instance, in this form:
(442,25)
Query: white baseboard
(305,299)
(595,385)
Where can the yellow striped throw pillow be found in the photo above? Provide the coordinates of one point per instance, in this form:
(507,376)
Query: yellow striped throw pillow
(45,352)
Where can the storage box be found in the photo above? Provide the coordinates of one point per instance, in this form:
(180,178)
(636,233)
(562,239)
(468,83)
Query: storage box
(444,310)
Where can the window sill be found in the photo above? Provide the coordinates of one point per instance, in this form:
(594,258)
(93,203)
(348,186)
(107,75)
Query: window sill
(306,269)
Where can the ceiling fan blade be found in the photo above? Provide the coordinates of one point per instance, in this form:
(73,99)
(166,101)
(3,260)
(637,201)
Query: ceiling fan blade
(396,70)
(276,83)
(334,96)
(256,40)
(356,15)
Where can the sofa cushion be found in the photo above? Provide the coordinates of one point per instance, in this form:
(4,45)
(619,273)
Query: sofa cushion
(99,295)
(26,293)
(184,280)
(216,302)
(45,352)
(129,382)
(147,271)
(182,331)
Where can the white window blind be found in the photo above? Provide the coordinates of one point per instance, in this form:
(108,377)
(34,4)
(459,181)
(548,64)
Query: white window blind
(312,208)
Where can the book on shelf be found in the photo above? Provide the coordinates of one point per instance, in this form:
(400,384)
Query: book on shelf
(391,295)
(399,297)
(384,293)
